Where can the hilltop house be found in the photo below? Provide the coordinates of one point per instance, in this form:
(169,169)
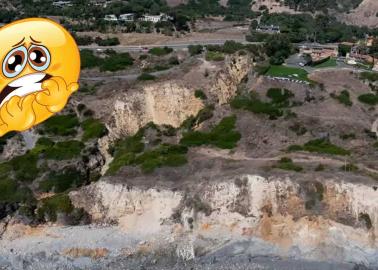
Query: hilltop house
(128,17)
(155,18)
(111,18)
(269,29)
(319,52)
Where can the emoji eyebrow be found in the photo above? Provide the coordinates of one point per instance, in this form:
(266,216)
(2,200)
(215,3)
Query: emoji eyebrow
(19,43)
(35,40)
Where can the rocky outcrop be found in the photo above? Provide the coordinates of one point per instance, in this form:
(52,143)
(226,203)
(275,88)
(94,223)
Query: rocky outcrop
(227,80)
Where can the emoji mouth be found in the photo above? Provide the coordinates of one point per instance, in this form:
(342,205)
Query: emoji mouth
(23,86)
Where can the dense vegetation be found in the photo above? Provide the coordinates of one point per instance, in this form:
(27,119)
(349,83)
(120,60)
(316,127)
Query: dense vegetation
(321,146)
(304,27)
(222,135)
(62,138)
(322,5)
(287,164)
(134,151)
(343,98)
(112,62)
(280,99)
(370,99)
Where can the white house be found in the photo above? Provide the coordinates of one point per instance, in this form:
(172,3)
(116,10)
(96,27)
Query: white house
(155,18)
(111,18)
(128,17)
(62,4)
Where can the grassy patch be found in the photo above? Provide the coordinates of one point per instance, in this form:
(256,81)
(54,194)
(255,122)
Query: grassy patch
(287,164)
(214,56)
(60,125)
(343,98)
(160,51)
(93,129)
(331,62)
(370,76)
(370,99)
(222,135)
(164,155)
(321,146)
(287,72)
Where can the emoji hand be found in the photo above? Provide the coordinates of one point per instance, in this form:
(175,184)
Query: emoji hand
(17,114)
(55,93)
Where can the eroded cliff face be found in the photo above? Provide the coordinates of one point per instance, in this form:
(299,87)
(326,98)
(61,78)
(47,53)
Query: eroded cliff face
(171,102)
(335,221)
(227,79)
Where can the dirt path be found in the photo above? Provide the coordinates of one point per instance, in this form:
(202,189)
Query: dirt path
(296,157)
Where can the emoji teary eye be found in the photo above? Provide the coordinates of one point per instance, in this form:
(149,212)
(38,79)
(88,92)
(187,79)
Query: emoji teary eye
(14,62)
(39,57)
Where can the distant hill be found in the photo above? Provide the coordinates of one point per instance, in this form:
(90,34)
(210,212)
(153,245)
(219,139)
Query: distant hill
(364,14)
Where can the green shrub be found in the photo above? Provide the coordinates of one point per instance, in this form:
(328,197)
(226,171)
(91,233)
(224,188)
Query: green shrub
(160,51)
(200,94)
(214,56)
(25,167)
(89,60)
(116,62)
(64,150)
(370,99)
(164,155)
(231,46)
(124,152)
(321,146)
(173,61)
(51,206)
(287,164)
(370,76)
(107,42)
(253,104)
(222,135)
(93,129)
(4,139)
(11,192)
(62,181)
(279,96)
(203,115)
(130,152)
(195,49)
(364,217)
(60,125)
(146,77)
(343,98)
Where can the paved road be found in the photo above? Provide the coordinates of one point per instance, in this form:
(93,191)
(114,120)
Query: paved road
(173,45)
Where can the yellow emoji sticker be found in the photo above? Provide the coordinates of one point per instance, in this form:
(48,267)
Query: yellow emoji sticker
(40,71)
